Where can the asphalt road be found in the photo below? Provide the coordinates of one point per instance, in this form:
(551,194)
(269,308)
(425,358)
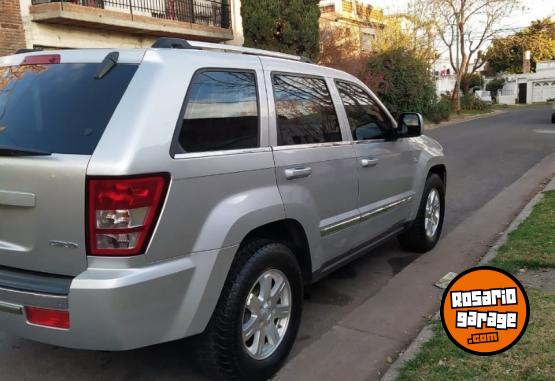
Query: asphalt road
(484,157)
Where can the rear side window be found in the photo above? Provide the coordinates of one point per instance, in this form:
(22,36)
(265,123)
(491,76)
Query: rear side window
(221,112)
(59,108)
(304,109)
(366,119)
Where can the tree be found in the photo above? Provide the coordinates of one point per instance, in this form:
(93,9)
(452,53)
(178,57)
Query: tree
(340,50)
(471,81)
(464,26)
(506,54)
(494,86)
(288,26)
(401,80)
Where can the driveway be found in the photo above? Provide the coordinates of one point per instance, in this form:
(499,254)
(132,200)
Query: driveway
(485,156)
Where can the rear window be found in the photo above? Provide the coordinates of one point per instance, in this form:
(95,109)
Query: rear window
(59,108)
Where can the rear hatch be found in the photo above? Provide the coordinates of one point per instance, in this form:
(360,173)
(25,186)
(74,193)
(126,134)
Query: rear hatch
(52,116)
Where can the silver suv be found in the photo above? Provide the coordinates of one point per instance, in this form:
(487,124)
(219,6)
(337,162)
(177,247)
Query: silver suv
(149,195)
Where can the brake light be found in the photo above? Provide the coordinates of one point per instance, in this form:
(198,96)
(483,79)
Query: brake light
(47,318)
(122,213)
(42,59)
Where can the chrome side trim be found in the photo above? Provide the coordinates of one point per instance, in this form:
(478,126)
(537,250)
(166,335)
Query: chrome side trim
(385,208)
(26,298)
(343,224)
(195,155)
(11,308)
(330,229)
(311,145)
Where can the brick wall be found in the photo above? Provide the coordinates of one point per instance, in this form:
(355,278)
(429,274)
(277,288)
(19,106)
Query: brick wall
(12,35)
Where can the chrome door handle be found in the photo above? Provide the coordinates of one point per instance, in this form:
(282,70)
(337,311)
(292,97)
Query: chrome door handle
(369,162)
(297,173)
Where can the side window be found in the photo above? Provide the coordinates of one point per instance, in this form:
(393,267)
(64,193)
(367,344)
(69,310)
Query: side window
(366,119)
(304,109)
(221,112)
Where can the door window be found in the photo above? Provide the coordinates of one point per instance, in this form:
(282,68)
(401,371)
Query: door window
(304,110)
(221,112)
(366,119)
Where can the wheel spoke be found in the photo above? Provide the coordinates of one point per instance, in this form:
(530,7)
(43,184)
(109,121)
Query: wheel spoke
(251,327)
(258,343)
(272,333)
(265,288)
(277,291)
(281,312)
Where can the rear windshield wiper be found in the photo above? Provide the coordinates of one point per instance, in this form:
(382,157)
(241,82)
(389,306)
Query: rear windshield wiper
(20,151)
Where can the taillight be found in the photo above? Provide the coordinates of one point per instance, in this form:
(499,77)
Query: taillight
(42,59)
(122,213)
(47,318)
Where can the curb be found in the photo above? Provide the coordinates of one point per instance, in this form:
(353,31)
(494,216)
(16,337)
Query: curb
(463,120)
(428,331)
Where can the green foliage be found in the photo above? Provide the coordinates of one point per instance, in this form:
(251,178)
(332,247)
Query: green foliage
(439,110)
(288,26)
(401,80)
(470,81)
(471,102)
(495,85)
(506,54)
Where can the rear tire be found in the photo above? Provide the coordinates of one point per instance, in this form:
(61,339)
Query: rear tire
(228,349)
(424,233)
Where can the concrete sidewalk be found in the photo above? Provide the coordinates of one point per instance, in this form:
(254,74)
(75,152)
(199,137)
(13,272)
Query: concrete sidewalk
(363,343)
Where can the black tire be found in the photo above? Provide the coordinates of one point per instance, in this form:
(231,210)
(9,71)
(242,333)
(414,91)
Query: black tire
(553,118)
(220,349)
(415,238)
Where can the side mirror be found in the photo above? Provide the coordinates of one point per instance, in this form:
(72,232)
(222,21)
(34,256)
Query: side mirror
(410,125)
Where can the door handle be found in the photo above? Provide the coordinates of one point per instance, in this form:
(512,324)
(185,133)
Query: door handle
(369,162)
(297,173)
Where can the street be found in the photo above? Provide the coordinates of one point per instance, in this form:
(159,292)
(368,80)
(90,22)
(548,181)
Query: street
(484,156)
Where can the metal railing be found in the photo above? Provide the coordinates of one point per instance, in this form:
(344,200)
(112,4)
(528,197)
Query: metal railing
(205,12)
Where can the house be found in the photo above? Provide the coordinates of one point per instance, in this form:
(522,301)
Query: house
(530,87)
(109,23)
(358,18)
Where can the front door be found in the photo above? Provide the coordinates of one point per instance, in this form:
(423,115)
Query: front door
(522,87)
(386,168)
(315,168)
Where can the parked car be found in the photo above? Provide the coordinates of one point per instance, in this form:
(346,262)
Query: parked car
(149,195)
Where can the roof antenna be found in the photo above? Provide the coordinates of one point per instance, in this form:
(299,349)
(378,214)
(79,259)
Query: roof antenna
(109,62)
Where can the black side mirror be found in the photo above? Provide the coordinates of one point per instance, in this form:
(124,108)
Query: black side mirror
(410,125)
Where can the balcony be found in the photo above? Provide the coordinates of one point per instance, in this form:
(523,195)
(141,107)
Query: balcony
(207,20)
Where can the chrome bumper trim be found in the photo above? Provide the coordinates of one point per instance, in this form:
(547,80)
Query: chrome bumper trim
(12,298)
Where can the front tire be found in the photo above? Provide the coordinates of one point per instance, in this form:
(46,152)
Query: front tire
(424,233)
(256,320)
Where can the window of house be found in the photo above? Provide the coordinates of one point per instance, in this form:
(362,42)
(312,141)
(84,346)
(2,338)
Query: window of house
(221,112)
(305,111)
(366,119)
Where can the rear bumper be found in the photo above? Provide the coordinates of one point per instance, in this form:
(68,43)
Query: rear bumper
(121,309)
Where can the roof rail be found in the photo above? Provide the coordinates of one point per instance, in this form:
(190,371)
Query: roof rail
(25,50)
(177,43)
(251,51)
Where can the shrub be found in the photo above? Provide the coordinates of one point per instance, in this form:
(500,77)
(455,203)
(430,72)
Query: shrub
(472,102)
(439,110)
(401,80)
(288,26)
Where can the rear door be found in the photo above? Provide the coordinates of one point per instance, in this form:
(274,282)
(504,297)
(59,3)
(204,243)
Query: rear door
(386,167)
(315,163)
(52,115)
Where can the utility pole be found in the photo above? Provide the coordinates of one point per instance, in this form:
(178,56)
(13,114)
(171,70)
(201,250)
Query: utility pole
(457,82)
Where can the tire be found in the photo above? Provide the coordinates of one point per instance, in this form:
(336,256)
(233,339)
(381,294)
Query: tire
(221,350)
(553,118)
(416,238)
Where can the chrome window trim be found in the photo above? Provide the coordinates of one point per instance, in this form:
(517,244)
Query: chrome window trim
(348,222)
(311,145)
(242,151)
(26,298)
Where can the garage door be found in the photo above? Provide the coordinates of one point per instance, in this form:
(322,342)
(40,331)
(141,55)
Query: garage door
(542,91)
